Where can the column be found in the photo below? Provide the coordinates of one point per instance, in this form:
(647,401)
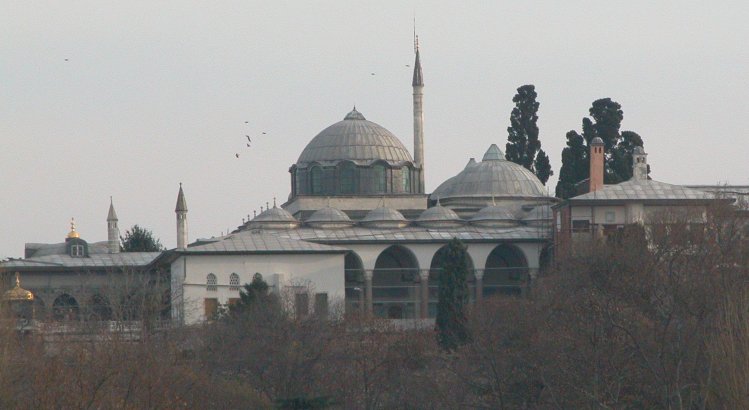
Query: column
(479,275)
(368,291)
(424,276)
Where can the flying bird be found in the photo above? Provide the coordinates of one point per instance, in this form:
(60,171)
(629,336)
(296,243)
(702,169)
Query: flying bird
(263,133)
(237,155)
(248,145)
(372,73)
(246,122)
(407,65)
(66,59)
(248,138)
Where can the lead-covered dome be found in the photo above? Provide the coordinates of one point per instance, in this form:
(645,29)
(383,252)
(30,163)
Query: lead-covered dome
(384,217)
(274,218)
(354,139)
(439,217)
(493,177)
(328,218)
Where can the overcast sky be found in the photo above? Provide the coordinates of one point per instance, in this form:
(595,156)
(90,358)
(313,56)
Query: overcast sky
(128,99)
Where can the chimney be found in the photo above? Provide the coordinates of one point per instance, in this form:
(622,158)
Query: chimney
(596,165)
(639,164)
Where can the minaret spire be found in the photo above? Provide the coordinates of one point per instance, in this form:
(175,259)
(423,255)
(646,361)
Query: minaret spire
(181,211)
(418,107)
(113,232)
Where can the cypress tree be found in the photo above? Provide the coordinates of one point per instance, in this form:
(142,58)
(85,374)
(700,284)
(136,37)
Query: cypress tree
(523,146)
(451,322)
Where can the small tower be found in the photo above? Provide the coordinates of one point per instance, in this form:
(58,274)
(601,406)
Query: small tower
(113,232)
(418,94)
(639,164)
(596,165)
(181,211)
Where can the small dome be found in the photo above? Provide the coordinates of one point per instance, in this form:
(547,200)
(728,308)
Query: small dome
(596,141)
(329,217)
(494,176)
(494,216)
(439,216)
(18,293)
(73,233)
(354,139)
(274,218)
(540,215)
(384,217)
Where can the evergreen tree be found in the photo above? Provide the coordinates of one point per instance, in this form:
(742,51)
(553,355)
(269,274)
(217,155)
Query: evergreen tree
(252,295)
(523,145)
(452,330)
(139,239)
(618,148)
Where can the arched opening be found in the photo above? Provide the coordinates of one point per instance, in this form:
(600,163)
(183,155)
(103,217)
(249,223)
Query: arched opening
(315,179)
(354,283)
(65,307)
(435,268)
(506,271)
(406,179)
(99,308)
(347,178)
(395,292)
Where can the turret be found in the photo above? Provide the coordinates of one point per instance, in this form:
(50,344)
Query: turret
(181,211)
(639,164)
(113,232)
(418,105)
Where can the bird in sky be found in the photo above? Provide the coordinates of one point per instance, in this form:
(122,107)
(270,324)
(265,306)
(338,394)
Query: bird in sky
(246,122)
(372,73)
(263,132)
(248,138)
(408,65)
(237,155)
(66,59)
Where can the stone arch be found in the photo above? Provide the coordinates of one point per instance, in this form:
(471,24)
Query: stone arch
(434,271)
(394,284)
(506,271)
(354,282)
(65,307)
(99,308)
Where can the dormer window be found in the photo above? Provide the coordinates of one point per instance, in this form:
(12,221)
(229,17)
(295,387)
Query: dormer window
(77,251)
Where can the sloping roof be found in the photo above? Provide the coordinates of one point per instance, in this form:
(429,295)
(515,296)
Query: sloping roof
(643,190)
(259,242)
(98,260)
(415,234)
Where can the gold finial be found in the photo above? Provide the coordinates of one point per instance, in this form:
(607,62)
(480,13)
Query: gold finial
(18,293)
(18,279)
(73,233)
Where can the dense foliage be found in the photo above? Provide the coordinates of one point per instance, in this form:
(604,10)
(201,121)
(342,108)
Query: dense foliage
(523,146)
(451,322)
(138,239)
(607,117)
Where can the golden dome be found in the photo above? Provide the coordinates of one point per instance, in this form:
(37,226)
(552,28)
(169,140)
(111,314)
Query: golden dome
(73,233)
(18,293)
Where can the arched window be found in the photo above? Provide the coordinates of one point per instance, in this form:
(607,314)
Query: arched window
(379,183)
(347,177)
(65,307)
(211,284)
(234,282)
(406,179)
(315,178)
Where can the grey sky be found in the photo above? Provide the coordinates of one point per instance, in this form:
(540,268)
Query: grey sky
(157,93)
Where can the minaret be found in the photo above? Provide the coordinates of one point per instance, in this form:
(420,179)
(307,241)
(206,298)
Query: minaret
(181,211)
(113,233)
(418,86)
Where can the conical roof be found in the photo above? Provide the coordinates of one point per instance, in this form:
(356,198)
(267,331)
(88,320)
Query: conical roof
(181,203)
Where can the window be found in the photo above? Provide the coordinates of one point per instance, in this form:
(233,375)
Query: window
(301,305)
(610,216)
(315,177)
(234,282)
(347,176)
(211,284)
(321,305)
(581,226)
(379,184)
(211,308)
(76,251)
(406,174)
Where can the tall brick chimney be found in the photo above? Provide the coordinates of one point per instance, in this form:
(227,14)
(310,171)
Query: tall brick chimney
(596,164)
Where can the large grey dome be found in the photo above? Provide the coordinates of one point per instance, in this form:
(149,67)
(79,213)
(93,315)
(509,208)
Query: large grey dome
(354,139)
(494,176)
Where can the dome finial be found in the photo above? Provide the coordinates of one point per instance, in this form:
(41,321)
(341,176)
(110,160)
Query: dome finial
(493,154)
(274,201)
(73,233)
(354,115)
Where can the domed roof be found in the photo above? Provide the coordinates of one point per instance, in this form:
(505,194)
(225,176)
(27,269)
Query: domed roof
(384,217)
(329,217)
(18,293)
(274,218)
(438,215)
(354,139)
(494,176)
(494,216)
(541,212)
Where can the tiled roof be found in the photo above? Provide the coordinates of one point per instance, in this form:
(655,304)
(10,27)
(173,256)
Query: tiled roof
(259,242)
(643,190)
